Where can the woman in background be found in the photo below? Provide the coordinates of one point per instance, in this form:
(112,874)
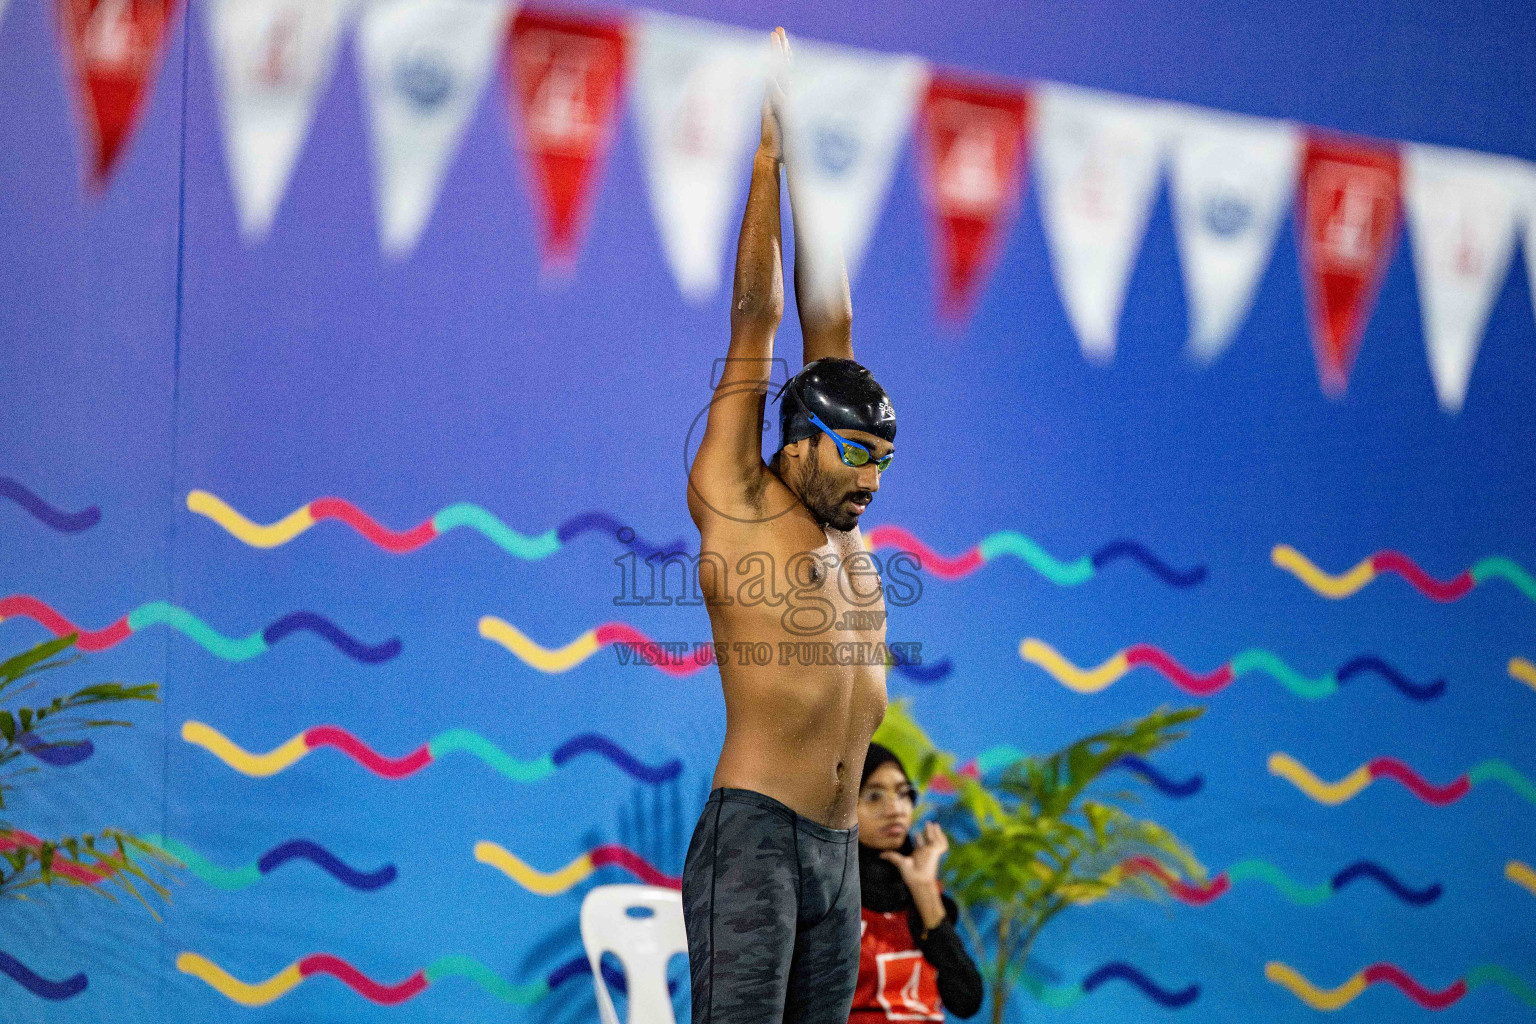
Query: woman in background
(912,965)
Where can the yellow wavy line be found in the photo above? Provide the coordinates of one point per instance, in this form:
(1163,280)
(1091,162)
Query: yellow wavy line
(254,534)
(241,760)
(562,659)
(1523,670)
(1521,874)
(1317,998)
(275,987)
(1296,773)
(1069,675)
(551,883)
(1336,587)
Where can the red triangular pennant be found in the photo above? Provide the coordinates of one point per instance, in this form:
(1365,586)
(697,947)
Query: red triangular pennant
(114,47)
(1348,210)
(565,78)
(972,140)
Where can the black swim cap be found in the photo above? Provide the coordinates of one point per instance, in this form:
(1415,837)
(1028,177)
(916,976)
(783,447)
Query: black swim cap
(842,394)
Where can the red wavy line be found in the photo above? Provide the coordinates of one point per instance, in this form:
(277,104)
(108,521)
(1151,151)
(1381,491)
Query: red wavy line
(388,767)
(1426,998)
(624,633)
(58,625)
(1195,895)
(1396,561)
(77,870)
(942,567)
(1183,678)
(629,860)
(395,541)
(389,995)
(1439,796)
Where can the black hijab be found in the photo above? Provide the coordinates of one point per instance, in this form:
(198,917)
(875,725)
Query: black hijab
(880,883)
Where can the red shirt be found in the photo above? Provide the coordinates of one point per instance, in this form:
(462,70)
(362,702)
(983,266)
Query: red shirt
(895,982)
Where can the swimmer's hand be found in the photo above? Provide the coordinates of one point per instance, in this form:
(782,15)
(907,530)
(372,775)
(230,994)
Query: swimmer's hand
(776,97)
(921,872)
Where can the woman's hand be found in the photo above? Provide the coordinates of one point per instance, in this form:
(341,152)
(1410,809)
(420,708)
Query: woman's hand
(921,871)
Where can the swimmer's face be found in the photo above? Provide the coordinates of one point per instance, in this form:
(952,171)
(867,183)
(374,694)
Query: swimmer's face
(835,494)
(885,808)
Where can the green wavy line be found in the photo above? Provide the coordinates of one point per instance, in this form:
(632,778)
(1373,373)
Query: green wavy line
(1057,997)
(160,613)
(490,981)
(993,758)
(1263,871)
(1493,973)
(228,879)
(1507,570)
(1009,542)
(1259,660)
(1501,771)
(465,741)
(497,532)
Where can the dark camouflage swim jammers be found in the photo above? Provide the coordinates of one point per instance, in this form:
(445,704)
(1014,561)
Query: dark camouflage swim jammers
(771,901)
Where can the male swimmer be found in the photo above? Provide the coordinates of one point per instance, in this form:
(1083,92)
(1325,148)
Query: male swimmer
(771,883)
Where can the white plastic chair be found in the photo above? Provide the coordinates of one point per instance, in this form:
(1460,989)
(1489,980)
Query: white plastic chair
(643,944)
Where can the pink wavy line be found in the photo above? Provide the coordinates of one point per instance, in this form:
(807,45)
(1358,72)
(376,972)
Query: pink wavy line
(1195,895)
(80,872)
(1199,686)
(389,995)
(396,542)
(1427,998)
(1396,561)
(622,856)
(1439,796)
(388,767)
(623,633)
(58,625)
(888,536)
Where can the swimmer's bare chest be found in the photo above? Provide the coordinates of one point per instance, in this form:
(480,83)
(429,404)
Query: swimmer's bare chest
(798,617)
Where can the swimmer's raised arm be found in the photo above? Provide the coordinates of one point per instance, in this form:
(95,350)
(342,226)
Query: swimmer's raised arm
(729,464)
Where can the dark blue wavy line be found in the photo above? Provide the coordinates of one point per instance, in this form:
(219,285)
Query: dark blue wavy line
(1371,663)
(37,508)
(579,966)
(1365,869)
(1125,972)
(40,986)
(602,522)
(593,743)
(61,754)
(1164,785)
(327,861)
(296,621)
(923,673)
(1131,549)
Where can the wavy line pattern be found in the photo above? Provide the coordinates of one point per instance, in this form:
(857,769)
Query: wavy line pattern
(247,875)
(994,758)
(1107,673)
(1159,781)
(562,880)
(79,871)
(453,741)
(1523,670)
(1349,583)
(1263,871)
(399,542)
(1336,998)
(61,754)
(1522,875)
(1062,996)
(1008,542)
(159,613)
(54,519)
(1332,793)
(555,660)
(39,985)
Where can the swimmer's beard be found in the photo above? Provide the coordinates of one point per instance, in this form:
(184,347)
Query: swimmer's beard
(825,506)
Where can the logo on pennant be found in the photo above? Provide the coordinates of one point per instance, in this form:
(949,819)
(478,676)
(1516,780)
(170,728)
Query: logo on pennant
(1348,206)
(114,46)
(424,65)
(973,144)
(698,91)
(566,75)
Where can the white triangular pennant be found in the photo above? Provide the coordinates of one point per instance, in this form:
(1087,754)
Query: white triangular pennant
(849,111)
(1098,158)
(273,58)
(1232,180)
(698,91)
(1461,216)
(424,64)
